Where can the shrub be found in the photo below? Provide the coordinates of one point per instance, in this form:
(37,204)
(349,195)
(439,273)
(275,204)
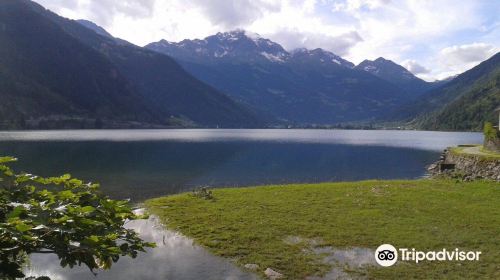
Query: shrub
(490,133)
(62,216)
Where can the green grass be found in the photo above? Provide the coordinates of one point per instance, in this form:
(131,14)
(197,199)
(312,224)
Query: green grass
(459,150)
(248,225)
(490,154)
(485,154)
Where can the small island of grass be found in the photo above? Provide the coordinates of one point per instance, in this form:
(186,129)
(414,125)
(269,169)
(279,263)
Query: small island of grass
(285,227)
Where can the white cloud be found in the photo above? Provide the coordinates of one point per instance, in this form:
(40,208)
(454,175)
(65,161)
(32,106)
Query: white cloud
(56,5)
(402,30)
(101,11)
(389,27)
(355,5)
(464,54)
(232,14)
(297,25)
(457,59)
(339,44)
(104,10)
(414,67)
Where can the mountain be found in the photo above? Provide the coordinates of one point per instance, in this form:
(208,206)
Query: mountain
(439,83)
(96,28)
(302,86)
(45,72)
(464,103)
(395,74)
(237,46)
(56,70)
(320,56)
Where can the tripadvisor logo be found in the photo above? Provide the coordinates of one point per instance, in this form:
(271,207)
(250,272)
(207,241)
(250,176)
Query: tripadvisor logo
(387,255)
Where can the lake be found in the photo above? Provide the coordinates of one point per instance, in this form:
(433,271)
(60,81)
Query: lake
(140,164)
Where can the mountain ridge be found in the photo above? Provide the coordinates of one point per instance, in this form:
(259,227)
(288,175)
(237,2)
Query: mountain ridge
(307,86)
(76,70)
(465,102)
(396,74)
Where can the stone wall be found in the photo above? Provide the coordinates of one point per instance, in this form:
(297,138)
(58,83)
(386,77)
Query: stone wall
(474,166)
(492,145)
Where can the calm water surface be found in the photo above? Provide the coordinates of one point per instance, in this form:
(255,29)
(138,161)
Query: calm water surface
(139,164)
(174,258)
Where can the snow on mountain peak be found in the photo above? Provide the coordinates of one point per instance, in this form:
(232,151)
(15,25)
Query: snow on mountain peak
(280,57)
(322,56)
(247,45)
(370,68)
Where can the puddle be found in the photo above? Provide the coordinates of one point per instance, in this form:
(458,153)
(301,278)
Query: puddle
(175,257)
(344,259)
(341,260)
(354,258)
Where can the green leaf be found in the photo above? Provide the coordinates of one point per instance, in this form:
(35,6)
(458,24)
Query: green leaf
(114,250)
(66,195)
(87,209)
(91,222)
(16,212)
(7,159)
(22,227)
(62,219)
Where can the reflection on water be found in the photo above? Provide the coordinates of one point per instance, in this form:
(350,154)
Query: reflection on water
(175,257)
(140,164)
(344,260)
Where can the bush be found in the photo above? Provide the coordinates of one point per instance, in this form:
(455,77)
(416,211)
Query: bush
(62,216)
(490,133)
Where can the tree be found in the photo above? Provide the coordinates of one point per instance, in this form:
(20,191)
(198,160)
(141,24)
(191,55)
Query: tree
(62,216)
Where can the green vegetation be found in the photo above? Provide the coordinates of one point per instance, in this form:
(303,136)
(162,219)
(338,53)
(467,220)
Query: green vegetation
(489,154)
(252,225)
(465,103)
(475,150)
(490,133)
(62,216)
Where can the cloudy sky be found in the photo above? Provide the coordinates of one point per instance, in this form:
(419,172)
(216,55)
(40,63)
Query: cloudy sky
(434,39)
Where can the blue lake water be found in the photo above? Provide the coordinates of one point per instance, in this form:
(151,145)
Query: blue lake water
(139,164)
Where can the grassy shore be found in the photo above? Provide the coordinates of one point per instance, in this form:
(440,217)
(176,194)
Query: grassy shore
(256,225)
(475,150)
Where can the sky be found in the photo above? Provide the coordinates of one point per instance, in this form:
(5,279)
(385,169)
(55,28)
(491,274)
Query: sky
(434,39)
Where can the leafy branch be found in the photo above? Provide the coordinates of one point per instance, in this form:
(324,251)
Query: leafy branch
(62,216)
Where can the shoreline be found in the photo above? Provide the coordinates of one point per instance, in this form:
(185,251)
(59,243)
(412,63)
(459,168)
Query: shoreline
(283,227)
(467,162)
(235,128)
